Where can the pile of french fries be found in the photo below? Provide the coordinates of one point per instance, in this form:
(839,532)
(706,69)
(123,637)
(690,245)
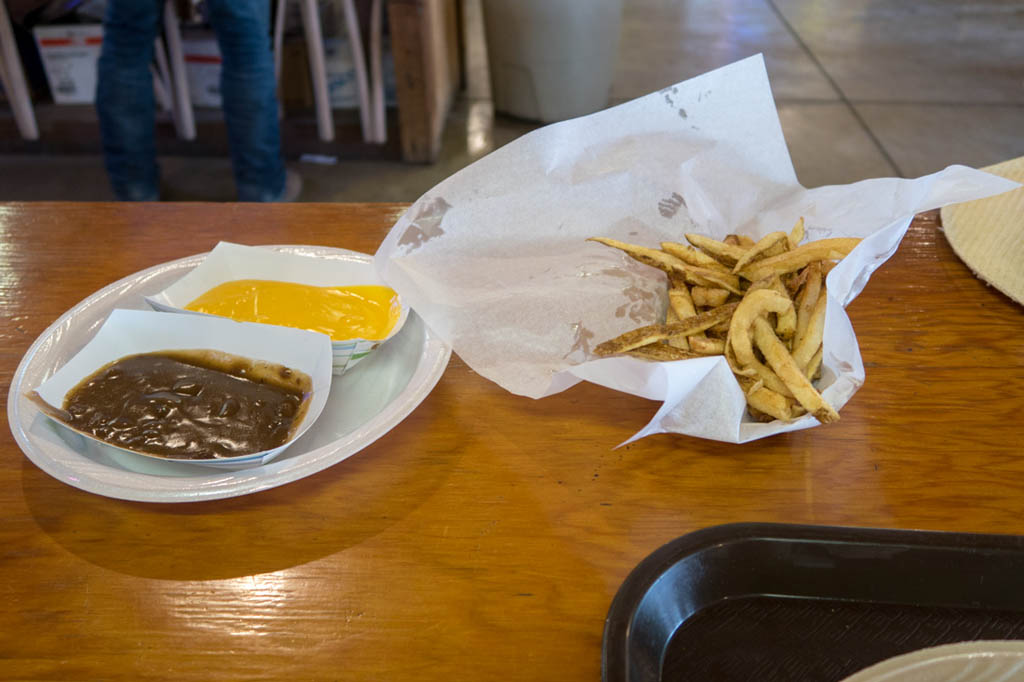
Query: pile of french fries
(760,304)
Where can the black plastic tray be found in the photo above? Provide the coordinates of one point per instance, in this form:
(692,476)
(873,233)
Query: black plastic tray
(799,603)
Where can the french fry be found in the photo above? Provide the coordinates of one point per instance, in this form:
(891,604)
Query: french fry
(710,297)
(680,343)
(758,415)
(731,240)
(702,345)
(736,367)
(763,283)
(752,306)
(720,330)
(780,247)
(680,300)
(711,278)
(760,249)
(702,321)
(785,325)
(726,254)
(813,369)
(823,249)
(634,338)
(804,350)
(758,371)
(745,241)
(643,254)
(765,400)
(796,235)
(681,303)
(661,352)
(782,363)
(659,332)
(690,255)
(771,379)
(795,280)
(807,298)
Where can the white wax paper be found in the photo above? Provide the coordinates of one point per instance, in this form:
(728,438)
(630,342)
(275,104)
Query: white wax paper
(495,258)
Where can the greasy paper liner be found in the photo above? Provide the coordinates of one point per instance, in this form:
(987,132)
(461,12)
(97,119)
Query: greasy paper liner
(495,258)
(227,262)
(129,332)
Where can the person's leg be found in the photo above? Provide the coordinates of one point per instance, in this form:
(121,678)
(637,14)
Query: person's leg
(249,93)
(124,98)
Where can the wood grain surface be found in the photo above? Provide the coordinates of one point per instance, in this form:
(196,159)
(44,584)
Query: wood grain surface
(485,536)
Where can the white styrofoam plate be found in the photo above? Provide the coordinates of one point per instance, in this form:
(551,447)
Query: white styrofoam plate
(390,384)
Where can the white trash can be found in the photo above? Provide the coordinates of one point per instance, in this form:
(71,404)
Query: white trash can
(552,59)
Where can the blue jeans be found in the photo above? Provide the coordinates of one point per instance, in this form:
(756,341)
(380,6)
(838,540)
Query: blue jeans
(125,102)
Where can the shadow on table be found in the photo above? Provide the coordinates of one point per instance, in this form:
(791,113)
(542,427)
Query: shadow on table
(287,526)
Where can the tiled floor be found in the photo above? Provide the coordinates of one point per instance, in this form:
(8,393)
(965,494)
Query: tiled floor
(864,88)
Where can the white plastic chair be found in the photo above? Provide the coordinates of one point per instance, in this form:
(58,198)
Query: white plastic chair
(184,116)
(162,81)
(380,133)
(318,69)
(13,77)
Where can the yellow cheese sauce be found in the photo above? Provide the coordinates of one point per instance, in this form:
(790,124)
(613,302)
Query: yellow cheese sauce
(359,312)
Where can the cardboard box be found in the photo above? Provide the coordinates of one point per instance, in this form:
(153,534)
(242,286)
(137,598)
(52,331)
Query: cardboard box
(341,74)
(203,66)
(203,63)
(69,55)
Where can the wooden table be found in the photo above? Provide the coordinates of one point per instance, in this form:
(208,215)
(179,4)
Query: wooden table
(485,536)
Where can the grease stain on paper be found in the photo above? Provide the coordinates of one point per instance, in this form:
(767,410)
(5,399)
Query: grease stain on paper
(581,341)
(426,225)
(623,272)
(669,206)
(639,306)
(668,92)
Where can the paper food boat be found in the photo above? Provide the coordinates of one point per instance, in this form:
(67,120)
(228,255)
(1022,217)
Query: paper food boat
(130,332)
(227,262)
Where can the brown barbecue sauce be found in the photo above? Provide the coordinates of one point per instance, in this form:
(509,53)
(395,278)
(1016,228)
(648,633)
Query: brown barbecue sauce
(190,404)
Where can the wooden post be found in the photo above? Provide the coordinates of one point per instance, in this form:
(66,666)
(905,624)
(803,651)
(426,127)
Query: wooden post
(424,40)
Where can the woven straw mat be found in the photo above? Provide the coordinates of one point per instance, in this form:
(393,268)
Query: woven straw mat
(988,234)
